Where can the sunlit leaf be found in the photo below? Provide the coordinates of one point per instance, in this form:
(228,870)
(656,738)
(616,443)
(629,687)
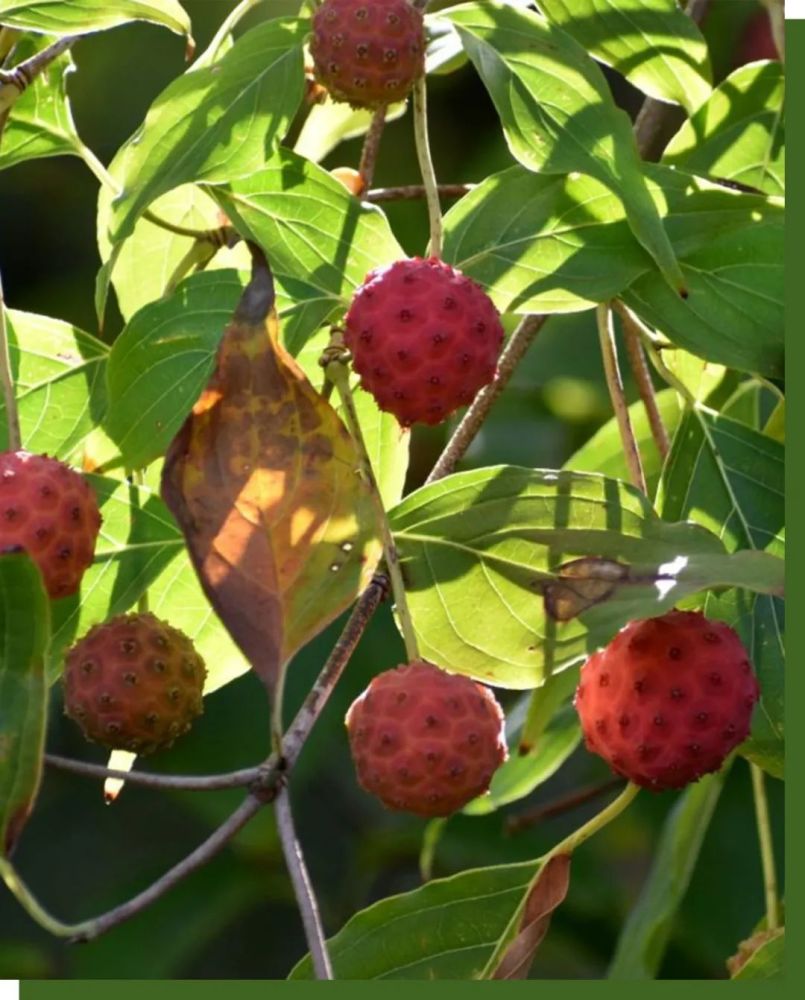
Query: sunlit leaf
(67,17)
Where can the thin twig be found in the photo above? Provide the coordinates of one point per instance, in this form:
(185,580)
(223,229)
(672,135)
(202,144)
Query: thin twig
(766,848)
(303,889)
(338,372)
(7,379)
(609,354)
(371,147)
(545,811)
(407,192)
(87,930)
(645,386)
(426,166)
(199,782)
(14,81)
(462,437)
(316,699)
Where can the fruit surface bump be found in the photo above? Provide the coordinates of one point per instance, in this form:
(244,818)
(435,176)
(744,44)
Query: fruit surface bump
(50,511)
(424,339)
(668,699)
(134,683)
(368,52)
(425,741)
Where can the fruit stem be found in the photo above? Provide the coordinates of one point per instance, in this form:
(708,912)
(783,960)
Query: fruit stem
(609,354)
(302,887)
(426,167)
(566,846)
(339,373)
(766,847)
(371,146)
(7,378)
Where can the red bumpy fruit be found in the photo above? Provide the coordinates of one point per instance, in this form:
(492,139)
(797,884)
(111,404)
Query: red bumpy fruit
(368,52)
(425,741)
(424,339)
(134,683)
(50,511)
(668,699)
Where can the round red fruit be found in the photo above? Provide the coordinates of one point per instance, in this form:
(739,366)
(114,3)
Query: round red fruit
(49,511)
(424,339)
(668,699)
(368,52)
(425,741)
(134,683)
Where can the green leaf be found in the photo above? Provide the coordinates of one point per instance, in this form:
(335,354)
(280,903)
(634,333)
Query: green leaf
(215,123)
(25,630)
(644,937)
(653,43)
(41,121)
(522,773)
(445,930)
(604,451)
(541,243)
(734,312)
(67,17)
(140,547)
(59,373)
(161,362)
(738,134)
(310,227)
(730,479)
(478,548)
(558,114)
(767,961)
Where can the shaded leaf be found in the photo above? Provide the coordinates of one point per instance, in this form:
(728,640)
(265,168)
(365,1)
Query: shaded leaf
(734,312)
(730,478)
(312,229)
(41,121)
(760,957)
(214,123)
(738,134)
(445,930)
(66,17)
(558,114)
(25,631)
(478,547)
(542,243)
(645,935)
(653,43)
(547,892)
(59,374)
(262,479)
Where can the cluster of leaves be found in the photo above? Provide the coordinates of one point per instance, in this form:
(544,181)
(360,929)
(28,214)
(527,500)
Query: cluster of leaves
(692,246)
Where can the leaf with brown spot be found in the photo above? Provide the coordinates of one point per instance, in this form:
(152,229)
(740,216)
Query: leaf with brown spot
(580,584)
(263,481)
(544,895)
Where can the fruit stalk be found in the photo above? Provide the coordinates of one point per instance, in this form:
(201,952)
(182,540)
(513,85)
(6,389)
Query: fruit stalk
(426,166)
(371,146)
(766,848)
(609,354)
(7,378)
(338,372)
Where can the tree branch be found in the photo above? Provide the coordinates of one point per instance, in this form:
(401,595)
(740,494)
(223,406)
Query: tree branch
(302,887)
(14,81)
(177,782)
(408,192)
(462,437)
(547,810)
(642,376)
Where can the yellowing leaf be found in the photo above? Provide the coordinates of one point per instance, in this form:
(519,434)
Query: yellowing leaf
(263,481)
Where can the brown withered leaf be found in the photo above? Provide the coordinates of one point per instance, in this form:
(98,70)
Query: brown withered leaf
(580,584)
(263,481)
(544,896)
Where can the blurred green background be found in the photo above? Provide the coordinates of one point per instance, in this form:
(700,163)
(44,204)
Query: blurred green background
(236,918)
